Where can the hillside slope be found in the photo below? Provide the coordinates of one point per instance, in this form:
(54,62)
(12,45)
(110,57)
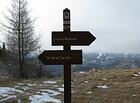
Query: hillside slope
(107,86)
(100,86)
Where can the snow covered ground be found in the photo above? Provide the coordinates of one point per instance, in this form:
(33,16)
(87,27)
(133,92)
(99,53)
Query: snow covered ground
(45,96)
(8,93)
(41,95)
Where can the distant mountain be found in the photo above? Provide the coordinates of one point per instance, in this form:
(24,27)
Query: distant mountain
(109,61)
(102,61)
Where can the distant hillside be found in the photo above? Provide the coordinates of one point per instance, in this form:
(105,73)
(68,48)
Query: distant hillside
(110,60)
(102,61)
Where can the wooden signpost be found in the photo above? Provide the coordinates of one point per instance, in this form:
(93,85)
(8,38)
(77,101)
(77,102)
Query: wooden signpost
(60,57)
(66,57)
(76,38)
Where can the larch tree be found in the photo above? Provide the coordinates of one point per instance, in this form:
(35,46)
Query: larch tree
(19,30)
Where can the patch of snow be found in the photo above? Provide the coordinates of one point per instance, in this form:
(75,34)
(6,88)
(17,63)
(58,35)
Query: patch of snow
(136,75)
(85,81)
(81,72)
(134,95)
(24,88)
(19,101)
(100,54)
(89,92)
(84,60)
(38,92)
(63,85)
(9,97)
(60,89)
(43,98)
(104,79)
(8,90)
(49,82)
(16,86)
(30,85)
(109,57)
(102,86)
(4,95)
(51,92)
(55,86)
(21,84)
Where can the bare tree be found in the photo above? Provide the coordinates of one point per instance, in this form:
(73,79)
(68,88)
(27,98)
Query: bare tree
(19,31)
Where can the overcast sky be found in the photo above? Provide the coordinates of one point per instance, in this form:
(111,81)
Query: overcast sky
(115,23)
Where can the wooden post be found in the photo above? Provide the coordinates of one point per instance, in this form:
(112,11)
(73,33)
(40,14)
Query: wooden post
(67,67)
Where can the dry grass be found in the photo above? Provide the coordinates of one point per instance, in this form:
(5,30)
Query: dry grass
(123,86)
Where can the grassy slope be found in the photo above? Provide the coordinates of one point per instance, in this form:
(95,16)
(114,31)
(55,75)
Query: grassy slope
(123,86)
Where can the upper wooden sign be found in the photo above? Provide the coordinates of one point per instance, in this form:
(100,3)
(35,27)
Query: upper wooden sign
(74,38)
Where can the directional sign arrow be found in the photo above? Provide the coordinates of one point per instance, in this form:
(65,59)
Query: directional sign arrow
(51,57)
(75,38)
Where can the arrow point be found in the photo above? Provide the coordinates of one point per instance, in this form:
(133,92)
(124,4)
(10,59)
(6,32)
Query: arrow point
(92,38)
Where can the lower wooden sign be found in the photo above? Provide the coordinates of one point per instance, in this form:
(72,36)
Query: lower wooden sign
(60,57)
